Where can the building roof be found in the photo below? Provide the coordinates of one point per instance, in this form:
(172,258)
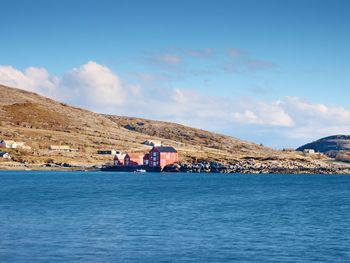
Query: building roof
(119,156)
(59,147)
(168,149)
(8,141)
(135,155)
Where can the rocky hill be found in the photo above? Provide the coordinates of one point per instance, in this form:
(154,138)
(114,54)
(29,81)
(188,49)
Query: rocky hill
(336,146)
(41,122)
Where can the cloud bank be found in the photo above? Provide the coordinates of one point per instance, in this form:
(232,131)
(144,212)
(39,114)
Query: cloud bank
(98,88)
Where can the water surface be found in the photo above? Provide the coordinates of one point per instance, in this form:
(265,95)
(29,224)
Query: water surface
(125,217)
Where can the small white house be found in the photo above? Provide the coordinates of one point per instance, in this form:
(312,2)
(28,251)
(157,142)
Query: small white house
(10,144)
(309,151)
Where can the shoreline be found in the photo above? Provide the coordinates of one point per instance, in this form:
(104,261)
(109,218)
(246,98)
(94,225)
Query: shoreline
(222,171)
(241,167)
(39,168)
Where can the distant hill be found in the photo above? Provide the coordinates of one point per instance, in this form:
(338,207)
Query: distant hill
(331,146)
(41,122)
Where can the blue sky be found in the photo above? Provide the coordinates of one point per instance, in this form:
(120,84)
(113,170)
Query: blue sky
(276,72)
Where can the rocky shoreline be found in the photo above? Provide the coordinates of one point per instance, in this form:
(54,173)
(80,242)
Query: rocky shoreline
(17,166)
(272,167)
(243,167)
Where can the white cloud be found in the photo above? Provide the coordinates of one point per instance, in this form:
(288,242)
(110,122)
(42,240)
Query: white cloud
(318,112)
(31,79)
(92,85)
(188,106)
(316,120)
(266,114)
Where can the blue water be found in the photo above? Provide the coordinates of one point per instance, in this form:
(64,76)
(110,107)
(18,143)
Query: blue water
(124,217)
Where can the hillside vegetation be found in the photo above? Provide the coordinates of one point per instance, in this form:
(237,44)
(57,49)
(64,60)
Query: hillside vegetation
(40,122)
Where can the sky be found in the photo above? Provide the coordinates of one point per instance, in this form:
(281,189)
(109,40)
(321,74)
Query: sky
(268,71)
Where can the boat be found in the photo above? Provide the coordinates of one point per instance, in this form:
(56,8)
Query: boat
(140,171)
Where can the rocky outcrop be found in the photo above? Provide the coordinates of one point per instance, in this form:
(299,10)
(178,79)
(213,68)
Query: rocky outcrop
(251,166)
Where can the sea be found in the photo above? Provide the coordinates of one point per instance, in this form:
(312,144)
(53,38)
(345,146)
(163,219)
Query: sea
(49,216)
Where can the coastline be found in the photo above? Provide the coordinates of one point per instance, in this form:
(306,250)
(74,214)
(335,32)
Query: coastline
(245,167)
(46,168)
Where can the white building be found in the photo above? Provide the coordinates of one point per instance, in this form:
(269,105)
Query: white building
(12,144)
(7,144)
(309,151)
(59,148)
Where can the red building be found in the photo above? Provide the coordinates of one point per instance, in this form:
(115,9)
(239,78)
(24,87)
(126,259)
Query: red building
(146,159)
(119,159)
(162,156)
(134,159)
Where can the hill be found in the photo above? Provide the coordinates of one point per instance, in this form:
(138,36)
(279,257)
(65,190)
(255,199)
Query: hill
(40,122)
(336,146)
